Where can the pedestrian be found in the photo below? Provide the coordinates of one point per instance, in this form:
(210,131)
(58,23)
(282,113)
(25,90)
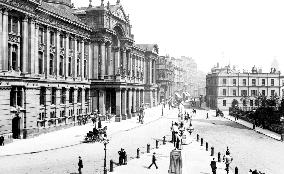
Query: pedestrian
(154,159)
(228,160)
(100,123)
(2,139)
(207,116)
(80,165)
(120,158)
(178,142)
(213,166)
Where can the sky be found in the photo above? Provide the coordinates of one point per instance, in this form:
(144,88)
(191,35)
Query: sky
(236,32)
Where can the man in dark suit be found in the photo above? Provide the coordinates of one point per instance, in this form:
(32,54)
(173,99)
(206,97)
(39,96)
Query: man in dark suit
(213,166)
(80,165)
(153,161)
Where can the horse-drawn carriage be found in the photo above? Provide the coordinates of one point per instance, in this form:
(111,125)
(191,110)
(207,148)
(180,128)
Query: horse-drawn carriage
(97,135)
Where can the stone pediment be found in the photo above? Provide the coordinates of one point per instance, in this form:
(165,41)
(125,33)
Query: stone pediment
(118,12)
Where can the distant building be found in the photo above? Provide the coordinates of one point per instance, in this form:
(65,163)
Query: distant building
(223,85)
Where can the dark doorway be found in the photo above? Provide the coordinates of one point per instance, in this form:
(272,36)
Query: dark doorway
(16,127)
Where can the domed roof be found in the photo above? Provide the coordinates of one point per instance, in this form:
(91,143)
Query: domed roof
(63,2)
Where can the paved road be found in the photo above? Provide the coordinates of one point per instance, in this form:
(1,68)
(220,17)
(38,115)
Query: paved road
(65,160)
(249,149)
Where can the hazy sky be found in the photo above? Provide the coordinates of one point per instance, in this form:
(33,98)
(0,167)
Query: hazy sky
(239,32)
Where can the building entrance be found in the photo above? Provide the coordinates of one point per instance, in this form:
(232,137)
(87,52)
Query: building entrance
(16,127)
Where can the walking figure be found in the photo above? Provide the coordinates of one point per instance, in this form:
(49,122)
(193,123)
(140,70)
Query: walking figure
(228,160)
(153,161)
(80,165)
(207,116)
(213,166)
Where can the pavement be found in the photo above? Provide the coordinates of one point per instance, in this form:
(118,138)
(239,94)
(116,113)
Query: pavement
(74,135)
(195,159)
(250,125)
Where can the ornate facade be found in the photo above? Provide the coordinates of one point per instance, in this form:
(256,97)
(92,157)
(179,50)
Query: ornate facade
(59,64)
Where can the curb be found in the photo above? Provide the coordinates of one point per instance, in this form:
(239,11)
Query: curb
(253,129)
(71,145)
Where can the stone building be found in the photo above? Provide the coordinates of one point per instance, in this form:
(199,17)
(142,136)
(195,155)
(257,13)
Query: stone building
(225,85)
(59,64)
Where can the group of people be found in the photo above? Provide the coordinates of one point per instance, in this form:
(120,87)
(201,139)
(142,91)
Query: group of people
(255,172)
(122,160)
(227,159)
(141,114)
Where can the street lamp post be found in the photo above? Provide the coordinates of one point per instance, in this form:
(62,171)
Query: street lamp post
(105,144)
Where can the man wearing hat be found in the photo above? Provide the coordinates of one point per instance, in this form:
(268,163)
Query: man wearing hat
(80,165)
(153,161)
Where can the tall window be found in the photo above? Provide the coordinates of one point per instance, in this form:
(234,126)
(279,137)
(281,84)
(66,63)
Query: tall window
(234,92)
(244,92)
(79,97)
(78,67)
(53,96)
(40,62)
(263,92)
(63,96)
(16,96)
(61,41)
(85,69)
(272,82)
(272,92)
(61,63)
(52,38)
(42,95)
(224,92)
(69,66)
(224,81)
(224,102)
(40,36)
(263,82)
(51,64)
(71,95)
(14,57)
(244,82)
(234,82)
(87,93)
(253,82)
(253,92)
(251,102)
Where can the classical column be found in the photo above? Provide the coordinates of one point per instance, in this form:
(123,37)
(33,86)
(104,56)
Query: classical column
(25,45)
(47,52)
(36,49)
(110,61)
(66,54)
(130,63)
(102,101)
(133,102)
(5,40)
(123,103)
(150,71)
(89,61)
(117,60)
(124,59)
(1,40)
(129,103)
(138,100)
(32,46)
(154,72)
(103,59)
(142,97)
(95,62)
(57,53)
(82,59)
(74,72)
(118,105)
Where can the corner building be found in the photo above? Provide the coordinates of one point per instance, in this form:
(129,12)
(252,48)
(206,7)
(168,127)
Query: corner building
(59,64)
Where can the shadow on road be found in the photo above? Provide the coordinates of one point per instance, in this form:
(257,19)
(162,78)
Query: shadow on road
(222,123)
